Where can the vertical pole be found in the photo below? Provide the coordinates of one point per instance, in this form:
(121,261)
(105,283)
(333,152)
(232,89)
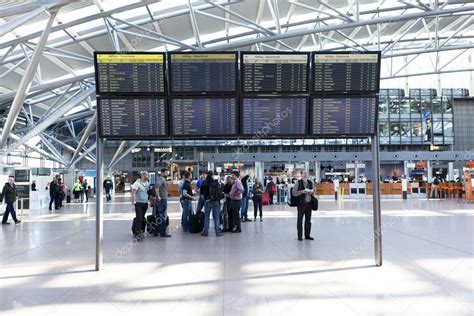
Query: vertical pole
(99,204)
(376,199)
(317,171)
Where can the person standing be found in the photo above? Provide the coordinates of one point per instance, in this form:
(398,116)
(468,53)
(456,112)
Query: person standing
(140,204)
(76,190)
(201,200)
(235,196)
(161,204)
(54,194)
(304,191)
(257,198)
(33,186)
(227,220)
(85,187)
(210,190)
(245,200)
(108,186)
(270,190)
(188,198)
(9,194)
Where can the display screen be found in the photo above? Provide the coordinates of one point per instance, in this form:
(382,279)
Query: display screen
(343,116)
(275,73)
(130,118)
(203,73)
(122,74)
(270,117)
(22,175)
(204,117)
(346,73)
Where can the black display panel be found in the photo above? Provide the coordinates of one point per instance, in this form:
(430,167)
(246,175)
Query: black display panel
(132,118)
(22,175)
(348,73)
(200,73)
(275,72)
(274,117)
(343,116)
(23,192)
(129,73)
(204,117)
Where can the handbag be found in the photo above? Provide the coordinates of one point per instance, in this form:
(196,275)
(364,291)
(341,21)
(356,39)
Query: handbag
(314,203)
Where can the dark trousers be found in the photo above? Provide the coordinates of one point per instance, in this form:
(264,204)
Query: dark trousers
(304,210)
(257,203)
(140,210)
(235,208)
(108,197)
(270,198)
(54,199)
(159,210)
(9,210)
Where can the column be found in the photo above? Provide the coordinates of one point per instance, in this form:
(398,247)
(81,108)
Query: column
(429,169)
(356,172)
(405,168)
(317,171)
(306,166)
(259,170)
(450,171)
(210,165)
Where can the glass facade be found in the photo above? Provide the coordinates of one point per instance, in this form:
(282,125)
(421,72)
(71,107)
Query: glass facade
(415,120)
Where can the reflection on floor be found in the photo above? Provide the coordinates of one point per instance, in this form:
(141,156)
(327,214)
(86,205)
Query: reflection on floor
(47,264)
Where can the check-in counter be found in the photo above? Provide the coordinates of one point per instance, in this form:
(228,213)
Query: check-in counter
(357,188)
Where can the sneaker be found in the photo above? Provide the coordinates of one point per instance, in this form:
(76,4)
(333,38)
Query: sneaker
(261,219)
(166,235)
(17,222)
(300,238)
(254,219)
(6,223)
(309,238)
(237,231)
(219,235)
(248,220)
(204,234)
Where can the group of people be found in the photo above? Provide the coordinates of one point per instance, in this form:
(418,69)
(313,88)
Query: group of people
(227,202)
(81,191)
(57,194)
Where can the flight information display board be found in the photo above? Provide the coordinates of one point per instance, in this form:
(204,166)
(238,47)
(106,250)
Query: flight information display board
(349,73)
(203,72)
(129,74)
(204,117)
(275,73)
(343,116)
(132,118)
(273,117)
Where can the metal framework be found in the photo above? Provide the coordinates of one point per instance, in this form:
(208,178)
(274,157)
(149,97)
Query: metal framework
(407,30)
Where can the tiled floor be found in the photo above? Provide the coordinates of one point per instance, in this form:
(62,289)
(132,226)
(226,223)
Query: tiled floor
(47,264)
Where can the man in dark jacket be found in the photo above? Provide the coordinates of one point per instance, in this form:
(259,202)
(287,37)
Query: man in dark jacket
(209,189)
(54,194)
(108,186)
(9,194)
(304,190)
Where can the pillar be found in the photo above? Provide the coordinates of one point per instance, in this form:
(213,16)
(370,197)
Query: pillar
(259,170)
(405,168)
(317,171)
(450,171)
(306,166)
(356,172)
(429,169)
(210,166)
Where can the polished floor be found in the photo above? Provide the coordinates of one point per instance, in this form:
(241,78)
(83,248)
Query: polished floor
(47,263)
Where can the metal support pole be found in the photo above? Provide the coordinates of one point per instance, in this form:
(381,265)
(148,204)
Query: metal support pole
(26,80)
(376,199)
(99,232)
(317,171)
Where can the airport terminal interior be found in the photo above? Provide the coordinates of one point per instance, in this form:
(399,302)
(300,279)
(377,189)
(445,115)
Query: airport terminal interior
(237,157)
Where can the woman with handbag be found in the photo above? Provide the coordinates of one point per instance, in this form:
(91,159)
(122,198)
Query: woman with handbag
(257,199)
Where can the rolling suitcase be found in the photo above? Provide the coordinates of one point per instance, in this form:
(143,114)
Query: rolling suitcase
(151,224)
(143,225)
(266,198)
(196,222)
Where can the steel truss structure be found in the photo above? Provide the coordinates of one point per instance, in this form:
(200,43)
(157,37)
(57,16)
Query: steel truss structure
(60,112)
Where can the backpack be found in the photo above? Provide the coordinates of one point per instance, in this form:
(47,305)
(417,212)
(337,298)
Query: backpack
(151,192)
(436,181)
(215,191)
(294,201)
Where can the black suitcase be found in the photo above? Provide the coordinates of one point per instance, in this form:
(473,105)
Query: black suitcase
(196,222)
(68,199)
(143,225)
(151,224)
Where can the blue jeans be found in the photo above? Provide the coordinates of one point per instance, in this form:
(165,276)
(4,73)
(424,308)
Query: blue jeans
(200,203)
(216,209)
(161,209)
(9,210)
(245,207)
(187,211)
